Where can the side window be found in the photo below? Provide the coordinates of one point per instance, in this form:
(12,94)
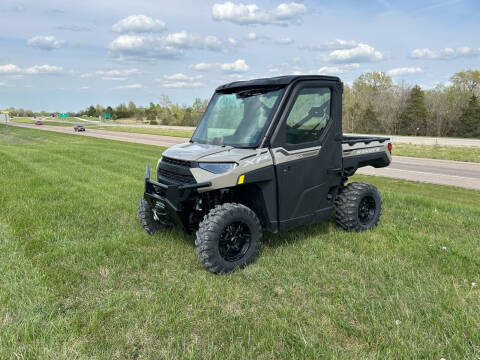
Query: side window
(309,115)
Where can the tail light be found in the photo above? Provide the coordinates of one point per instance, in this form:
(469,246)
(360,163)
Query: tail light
(390,147)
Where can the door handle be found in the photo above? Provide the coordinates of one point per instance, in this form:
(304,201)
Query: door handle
(287,169)
(336,171)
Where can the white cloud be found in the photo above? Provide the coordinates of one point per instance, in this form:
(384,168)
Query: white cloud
(335,70)
(130,86)
(127,47)
(254,36)
(45,42)
(9,69)
(445,53)
(33,70)
(118,72)
(232,41)
(204,66)
(114,78)
(236,76)
(182,84)
(181,77)
(337,44)
(285,41)
(360,53)
(404,71)
(274,70)
(238,66)
(184,40)
(44,69)
(72,27)
(284,14)
(3,84)
(139,24)
(169,46)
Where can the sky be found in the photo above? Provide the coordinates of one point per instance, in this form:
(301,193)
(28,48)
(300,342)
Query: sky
(59,55)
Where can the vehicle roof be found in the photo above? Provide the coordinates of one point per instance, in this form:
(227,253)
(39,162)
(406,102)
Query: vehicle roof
(274,81)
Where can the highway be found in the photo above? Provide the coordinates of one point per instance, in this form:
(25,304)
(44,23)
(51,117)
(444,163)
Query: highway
(442,172)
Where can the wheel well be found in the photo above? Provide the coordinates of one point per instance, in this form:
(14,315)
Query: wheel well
(251,196)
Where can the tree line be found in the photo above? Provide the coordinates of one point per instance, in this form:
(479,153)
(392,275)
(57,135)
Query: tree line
(374,104)
(163,113)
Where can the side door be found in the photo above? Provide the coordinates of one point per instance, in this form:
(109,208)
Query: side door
(307,153)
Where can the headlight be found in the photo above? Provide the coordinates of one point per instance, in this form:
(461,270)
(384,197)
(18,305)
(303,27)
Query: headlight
(217,168)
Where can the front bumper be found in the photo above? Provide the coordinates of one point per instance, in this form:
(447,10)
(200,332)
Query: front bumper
(171,195)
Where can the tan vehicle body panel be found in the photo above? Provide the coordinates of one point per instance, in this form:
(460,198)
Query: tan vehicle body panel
(248,160)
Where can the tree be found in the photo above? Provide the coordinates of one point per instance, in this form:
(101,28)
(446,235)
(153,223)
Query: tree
(376,81)
(151,112)
(132,109)
(91,111)
(468,80)
(469,125)
(369,120)
(413,119)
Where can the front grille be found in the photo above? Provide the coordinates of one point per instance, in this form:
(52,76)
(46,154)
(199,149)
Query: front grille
(175,171)
(177,162)
(179,178)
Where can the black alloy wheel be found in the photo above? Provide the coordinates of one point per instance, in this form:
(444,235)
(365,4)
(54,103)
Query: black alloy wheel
(234,241)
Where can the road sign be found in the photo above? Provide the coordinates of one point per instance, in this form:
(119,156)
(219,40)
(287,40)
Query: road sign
(63,115)
(107,115)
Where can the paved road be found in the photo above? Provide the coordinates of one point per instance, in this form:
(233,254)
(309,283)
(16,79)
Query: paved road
(443,172)
(418,140)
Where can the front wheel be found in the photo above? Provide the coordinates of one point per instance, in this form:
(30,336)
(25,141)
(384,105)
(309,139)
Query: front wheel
(229,237)
(146,216)
(358,207)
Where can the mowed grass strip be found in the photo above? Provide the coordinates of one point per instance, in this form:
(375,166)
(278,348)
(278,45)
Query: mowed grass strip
(60,122)
(143,130)
(469,154)
(80,278)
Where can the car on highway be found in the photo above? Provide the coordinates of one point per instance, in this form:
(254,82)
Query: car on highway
(38,122)
(79,128)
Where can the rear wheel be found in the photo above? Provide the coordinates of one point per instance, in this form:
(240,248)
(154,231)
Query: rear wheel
(229,237)
(358,207)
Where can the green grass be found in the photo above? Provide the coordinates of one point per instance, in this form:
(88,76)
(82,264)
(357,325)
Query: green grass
(470,154)
(81,280)
(60,122)
(142,130)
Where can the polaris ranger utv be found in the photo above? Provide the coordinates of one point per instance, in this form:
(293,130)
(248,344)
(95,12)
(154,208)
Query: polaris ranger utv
(268,155)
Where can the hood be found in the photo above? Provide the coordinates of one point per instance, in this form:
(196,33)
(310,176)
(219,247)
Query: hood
(208,153)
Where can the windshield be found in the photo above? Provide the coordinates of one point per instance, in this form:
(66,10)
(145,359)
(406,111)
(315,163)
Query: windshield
(237,119)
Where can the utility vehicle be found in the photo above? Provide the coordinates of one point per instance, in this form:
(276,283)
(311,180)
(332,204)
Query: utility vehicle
(267,155)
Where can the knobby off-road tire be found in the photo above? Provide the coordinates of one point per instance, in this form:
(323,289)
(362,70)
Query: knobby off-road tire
(358,207)
(145,216)
(229,237)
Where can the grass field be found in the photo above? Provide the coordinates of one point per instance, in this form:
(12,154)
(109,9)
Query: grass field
(470,154)
(142,130)
(81,280)
(60,122)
